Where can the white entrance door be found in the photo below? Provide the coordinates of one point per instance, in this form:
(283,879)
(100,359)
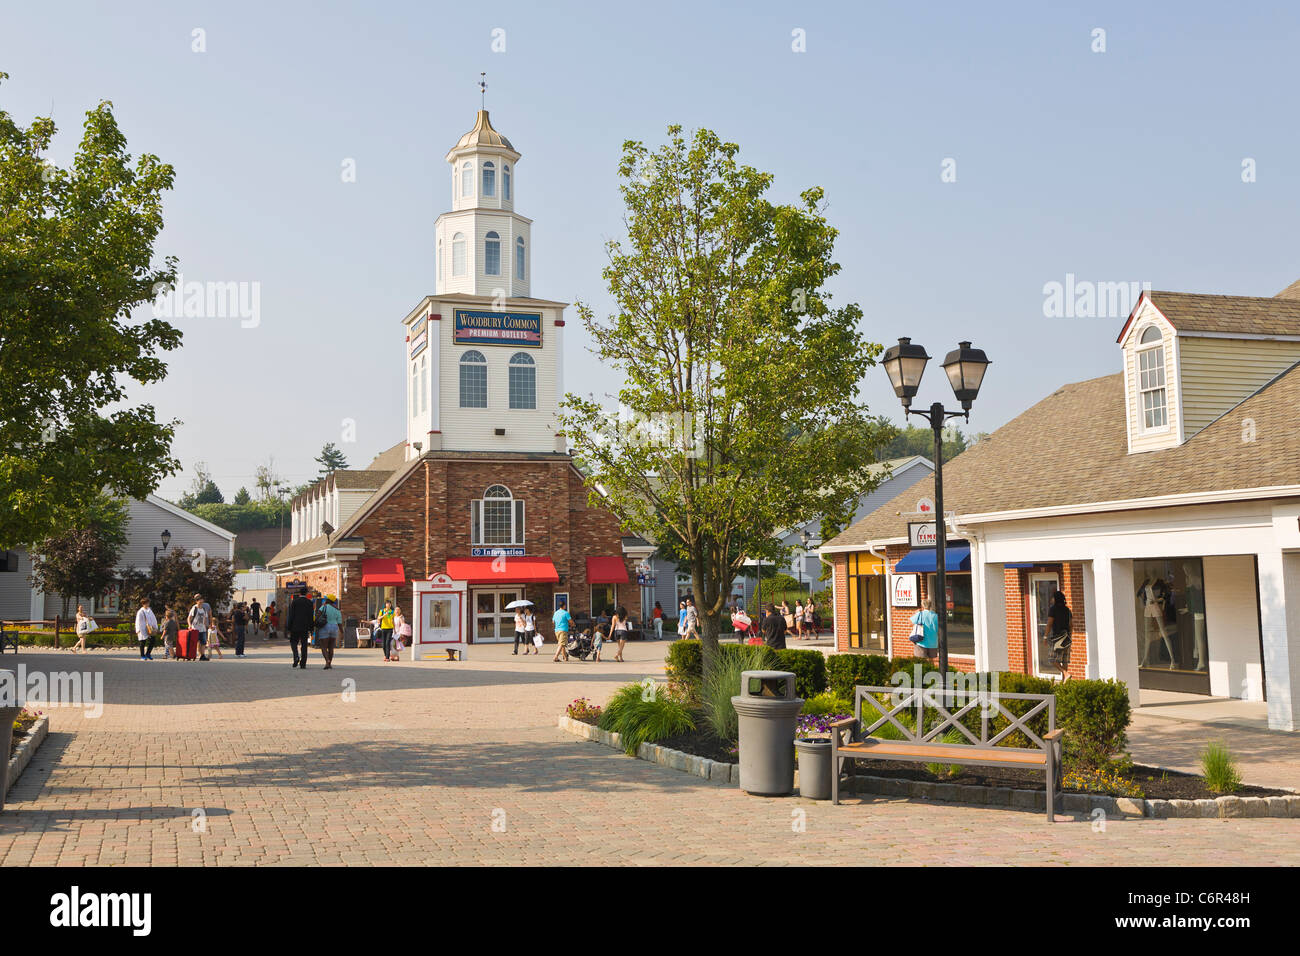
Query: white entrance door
(1041,589)
(492,622)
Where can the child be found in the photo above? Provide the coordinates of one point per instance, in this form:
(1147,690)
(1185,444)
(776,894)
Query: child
(214,640)
(171,629)
(598,641)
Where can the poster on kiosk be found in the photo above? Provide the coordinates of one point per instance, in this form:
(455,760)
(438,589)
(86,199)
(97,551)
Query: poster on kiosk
(439,619)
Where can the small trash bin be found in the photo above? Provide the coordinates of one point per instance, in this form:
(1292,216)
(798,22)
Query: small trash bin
(350,632)
(768,711)
(9,711)
(814,767)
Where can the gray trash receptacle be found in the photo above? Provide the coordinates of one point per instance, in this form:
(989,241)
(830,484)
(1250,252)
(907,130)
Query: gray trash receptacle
(814,767)
(350,632)
(9,711)
(768,711)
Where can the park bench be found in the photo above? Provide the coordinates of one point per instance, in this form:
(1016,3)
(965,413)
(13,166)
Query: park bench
(851,739)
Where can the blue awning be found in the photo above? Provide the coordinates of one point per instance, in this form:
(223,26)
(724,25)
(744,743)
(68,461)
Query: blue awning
(1020,564)
(956,558)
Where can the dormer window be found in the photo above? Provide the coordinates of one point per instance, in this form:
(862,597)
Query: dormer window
(1151,379)
(489,179)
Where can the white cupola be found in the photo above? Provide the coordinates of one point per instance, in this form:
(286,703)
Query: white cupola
(483,246)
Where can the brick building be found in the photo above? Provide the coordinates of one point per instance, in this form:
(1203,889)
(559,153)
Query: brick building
(481,488)
(1163,501)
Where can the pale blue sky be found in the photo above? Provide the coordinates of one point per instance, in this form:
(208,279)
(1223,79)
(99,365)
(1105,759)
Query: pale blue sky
(1117,166)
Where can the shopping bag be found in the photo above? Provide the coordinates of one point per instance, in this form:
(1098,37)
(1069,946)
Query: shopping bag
(538,640)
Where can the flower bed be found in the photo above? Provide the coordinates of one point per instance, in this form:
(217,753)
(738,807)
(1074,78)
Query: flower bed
(22,728)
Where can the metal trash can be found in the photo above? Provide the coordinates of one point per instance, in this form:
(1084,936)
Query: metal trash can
(768,711)
(350,632)
(814,767)
(9,711)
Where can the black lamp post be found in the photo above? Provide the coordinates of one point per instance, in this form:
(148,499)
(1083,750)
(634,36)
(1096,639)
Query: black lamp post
(965,366)
(166,537)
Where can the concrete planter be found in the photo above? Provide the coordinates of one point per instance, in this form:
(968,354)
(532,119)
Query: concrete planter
(714,771)
(23,755)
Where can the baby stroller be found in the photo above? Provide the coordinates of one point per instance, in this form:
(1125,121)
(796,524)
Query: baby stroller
(580,646)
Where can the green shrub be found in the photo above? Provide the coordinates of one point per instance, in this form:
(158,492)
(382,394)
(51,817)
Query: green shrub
(819,705)
(1108,782)
(1220,769)
(1095,715)
(808,667)
(644,715)
(950,736)
(684,664)
(723,683)
(846,671)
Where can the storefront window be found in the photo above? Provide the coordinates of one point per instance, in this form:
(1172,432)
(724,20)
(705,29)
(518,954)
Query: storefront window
(866,622)
(1172,648)
(375,598)
(961,612)
(603,597)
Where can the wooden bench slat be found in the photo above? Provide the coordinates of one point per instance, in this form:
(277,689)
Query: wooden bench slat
(936,753)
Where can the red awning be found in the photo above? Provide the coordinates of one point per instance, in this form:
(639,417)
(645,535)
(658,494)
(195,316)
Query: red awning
(503,570)
(382,572)
(606,570)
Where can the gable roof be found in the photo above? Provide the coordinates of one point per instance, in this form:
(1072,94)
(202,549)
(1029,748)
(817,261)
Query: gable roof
(390,459)
(1071,449)
(189,516)
(1224,314)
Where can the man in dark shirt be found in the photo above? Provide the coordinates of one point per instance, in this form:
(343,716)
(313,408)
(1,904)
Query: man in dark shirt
(773,629)
(297,625)
(255,615)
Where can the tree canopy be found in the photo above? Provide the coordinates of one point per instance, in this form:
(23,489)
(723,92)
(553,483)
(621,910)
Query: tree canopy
(76,257)
(739,413)
(330,460)
(82,560)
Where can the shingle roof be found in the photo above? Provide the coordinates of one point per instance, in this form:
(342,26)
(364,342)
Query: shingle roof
(1186,312)
(1290,292)
(369,479)
(1072,449)
(390,459)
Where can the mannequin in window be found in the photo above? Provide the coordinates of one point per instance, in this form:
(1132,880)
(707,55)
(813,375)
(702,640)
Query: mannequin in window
(1154,594)
(1194,596)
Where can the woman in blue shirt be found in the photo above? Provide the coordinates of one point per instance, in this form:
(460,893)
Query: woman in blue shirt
(928,646)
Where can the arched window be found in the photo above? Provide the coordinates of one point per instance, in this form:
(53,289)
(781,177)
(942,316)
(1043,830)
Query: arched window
(489,179)
(424,383)
(505,182)
(458,254)
(519,258)
(523,381)
(415,389)
(473,380)
(438,264)
(467,179)
(1151,379)
(497,518)
(492,254)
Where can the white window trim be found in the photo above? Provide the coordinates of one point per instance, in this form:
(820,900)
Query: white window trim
(1140,411)
(518,516)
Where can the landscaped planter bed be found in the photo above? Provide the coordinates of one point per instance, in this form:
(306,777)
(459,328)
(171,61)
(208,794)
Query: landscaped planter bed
(22,730)
(24,747)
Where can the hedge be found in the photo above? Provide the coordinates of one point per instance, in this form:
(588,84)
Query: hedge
(685,665)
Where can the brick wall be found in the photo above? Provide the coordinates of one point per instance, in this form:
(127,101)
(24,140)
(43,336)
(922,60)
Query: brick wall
(1016,588)
(559,524)
(840,574)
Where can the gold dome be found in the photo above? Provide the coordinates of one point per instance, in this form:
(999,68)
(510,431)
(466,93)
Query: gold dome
(483,135)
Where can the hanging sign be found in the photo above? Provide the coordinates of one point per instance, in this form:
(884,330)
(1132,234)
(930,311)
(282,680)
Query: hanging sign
(904,590)
(922,534)
(925,506)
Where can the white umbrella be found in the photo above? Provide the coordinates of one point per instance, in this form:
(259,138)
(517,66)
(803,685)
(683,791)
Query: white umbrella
(514,604)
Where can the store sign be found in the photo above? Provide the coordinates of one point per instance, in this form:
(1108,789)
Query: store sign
(497,328)
(646,580)
(905,590)
(496,552)
(922,534)
(925,506)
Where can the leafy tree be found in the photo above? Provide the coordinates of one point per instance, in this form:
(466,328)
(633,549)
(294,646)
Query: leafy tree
(267,480)
(203,490)
(919,440)
(330,460)
(739,413)
(250,556)
(175,578)
(242,497)
(82,561)
(76,256)
(249,517)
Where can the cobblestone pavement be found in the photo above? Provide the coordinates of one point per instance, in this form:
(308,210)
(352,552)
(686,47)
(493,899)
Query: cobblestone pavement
(247,762)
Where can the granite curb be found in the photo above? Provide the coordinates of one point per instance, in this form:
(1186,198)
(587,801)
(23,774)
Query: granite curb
(715,771)
(23,755)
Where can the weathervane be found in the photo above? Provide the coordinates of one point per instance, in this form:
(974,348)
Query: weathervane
(482,89)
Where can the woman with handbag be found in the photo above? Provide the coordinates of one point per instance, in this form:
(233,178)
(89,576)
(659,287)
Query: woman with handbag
(530,632)
(84,627)
(1059,626)
(401,634)
(925,630)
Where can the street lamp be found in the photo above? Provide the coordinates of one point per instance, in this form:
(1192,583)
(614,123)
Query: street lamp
(965,367)
(166,537)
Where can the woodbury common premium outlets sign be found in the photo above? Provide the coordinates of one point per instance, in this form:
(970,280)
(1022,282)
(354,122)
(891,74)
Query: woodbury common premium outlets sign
(497,328)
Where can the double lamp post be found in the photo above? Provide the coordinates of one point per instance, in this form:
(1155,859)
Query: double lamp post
(905,363)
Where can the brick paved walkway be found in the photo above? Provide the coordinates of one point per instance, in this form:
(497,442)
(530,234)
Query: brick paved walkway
(462,764)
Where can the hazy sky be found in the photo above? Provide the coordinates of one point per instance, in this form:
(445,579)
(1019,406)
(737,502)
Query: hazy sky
(1117,166)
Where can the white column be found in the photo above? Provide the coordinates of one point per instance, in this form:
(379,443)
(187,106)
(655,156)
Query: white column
(1092,669)
(1279,611)
(988,589)
(1115,615)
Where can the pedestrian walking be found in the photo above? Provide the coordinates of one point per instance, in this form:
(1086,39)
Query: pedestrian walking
(199,618)
(214,641)
(563,622)
(1059,627)
(681,618)
(83,628)
(658,615)
(297,624)
(521,636)
(401,634)
(925,630)
(530,632)
(254,617)
(773,628)
(692,620)
(798,619)
(171,631)
(239,618)
(328,633)
(810,619)
(620,628)
(385,630)
(146,629)
(272,621)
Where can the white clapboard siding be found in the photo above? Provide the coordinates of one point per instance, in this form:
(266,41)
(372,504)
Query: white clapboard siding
(15,591)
